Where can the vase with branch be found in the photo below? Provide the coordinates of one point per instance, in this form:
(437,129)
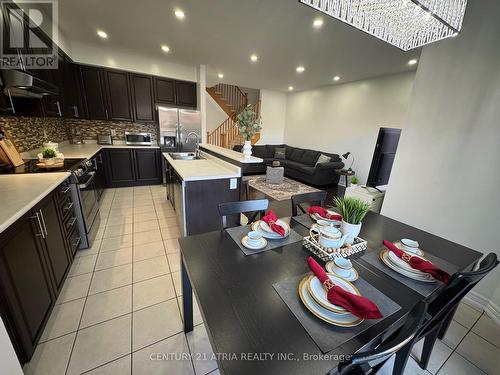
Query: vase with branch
(249,124)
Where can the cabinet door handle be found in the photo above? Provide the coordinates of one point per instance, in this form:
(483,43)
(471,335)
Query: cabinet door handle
(75,244)
(75,111)
(59,108)
(65,190)
(68,206)
(107,117)
(11,102)
(37,218)
(43,222)
(72,222)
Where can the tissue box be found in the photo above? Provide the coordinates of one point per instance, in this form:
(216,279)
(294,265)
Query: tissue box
(275,175)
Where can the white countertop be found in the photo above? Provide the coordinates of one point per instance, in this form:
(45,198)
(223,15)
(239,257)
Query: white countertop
(209,168)
(234,155)
(84,151)
(20,192)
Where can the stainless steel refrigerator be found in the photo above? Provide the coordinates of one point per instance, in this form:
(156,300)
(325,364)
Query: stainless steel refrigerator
(175,125)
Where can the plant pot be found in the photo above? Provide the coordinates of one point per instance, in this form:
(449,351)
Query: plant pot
(247,149)
(351,230)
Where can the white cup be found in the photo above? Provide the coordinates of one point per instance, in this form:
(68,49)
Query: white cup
(410,245)
(342,266)
(254,238)
(324,223)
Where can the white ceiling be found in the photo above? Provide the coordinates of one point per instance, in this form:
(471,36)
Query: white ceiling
(223,33)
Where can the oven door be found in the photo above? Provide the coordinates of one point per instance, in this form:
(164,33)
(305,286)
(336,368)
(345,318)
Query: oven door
(88,199)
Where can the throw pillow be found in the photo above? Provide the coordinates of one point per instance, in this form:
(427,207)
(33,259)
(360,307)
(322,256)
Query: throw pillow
(323,159)
(279,152)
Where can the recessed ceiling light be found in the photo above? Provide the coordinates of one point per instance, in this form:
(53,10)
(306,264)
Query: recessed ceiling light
(300,69)
(165,48)
(290,88)
(220,75)
(179,14)
(254,57)
(412,62)
(454,34)
(317,23)
(336,78)
(102,34)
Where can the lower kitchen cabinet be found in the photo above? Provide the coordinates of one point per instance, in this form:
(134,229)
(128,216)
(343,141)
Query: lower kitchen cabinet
(133,167)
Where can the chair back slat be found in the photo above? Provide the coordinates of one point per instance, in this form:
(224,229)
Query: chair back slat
(232,210)
(313,199)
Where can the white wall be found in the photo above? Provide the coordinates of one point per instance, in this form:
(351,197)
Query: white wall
(215,114)
(347,117)
(8,359)
(273,114)
(446,175)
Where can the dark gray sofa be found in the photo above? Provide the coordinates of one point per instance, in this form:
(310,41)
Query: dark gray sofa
(299,163)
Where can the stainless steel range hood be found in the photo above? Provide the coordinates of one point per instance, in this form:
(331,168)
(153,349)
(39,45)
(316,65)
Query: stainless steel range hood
(21,84)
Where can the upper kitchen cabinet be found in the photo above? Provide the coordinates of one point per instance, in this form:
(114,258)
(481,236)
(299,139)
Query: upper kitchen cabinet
(185,93)
(164,90)
(142,97)
(93,93)
(118,95)
(73,100)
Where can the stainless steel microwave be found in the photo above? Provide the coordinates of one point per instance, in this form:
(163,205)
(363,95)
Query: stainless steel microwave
(138,139)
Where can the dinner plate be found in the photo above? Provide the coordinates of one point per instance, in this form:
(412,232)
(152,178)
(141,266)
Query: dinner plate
(317,217)
(343,320)
(426,278)
(415,251)
(416,274)
(319,293)
(353,274)
(271,236)
(263,244)
(402,264)
(265,226)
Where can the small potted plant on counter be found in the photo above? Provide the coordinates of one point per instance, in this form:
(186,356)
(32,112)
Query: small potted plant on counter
(249,123)
(353,211)
(354,181)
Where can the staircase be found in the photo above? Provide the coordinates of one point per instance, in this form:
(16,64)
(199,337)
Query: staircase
(232,101)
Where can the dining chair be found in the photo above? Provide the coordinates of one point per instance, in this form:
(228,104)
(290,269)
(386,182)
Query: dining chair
(442,308)
(398,343)
(256,208)
(317,198)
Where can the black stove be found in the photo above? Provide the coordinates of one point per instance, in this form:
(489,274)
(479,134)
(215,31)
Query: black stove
(30,166)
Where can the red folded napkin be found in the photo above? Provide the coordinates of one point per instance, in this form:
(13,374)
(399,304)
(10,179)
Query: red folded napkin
(324,213)
(360,306)
(270,218)
(419,263)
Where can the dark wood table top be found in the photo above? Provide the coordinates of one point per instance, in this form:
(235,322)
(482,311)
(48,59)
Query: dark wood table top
(244,314)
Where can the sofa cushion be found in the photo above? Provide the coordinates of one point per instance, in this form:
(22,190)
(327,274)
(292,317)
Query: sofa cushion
(294,164)
(289,150)
(296,155)
(307,170)
(309,157)
(259,151)
(279,153)
(323,159)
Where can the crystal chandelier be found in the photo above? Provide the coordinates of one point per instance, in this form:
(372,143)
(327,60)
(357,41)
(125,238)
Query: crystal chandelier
(406,24)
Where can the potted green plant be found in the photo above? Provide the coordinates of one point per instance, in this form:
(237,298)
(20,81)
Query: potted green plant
(353,211)
(49,154)
(249,123)
(354,181)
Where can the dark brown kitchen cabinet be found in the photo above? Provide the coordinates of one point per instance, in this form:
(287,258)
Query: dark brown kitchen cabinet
(164,90)
(185,93)
(93,93)
(133,167)
(142,97)
(118,95)
(147,165)
(71,90)
(27,294)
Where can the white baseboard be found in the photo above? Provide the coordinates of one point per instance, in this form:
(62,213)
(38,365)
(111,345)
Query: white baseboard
(480,303)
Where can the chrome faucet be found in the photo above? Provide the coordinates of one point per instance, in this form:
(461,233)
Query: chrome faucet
(197,148)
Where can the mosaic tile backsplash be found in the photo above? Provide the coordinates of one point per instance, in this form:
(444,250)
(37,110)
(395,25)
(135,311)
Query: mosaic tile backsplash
(30,133)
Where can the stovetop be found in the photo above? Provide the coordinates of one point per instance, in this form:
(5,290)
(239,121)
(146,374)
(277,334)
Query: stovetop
(30,166)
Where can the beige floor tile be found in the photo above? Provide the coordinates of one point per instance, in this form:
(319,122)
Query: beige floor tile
(64,319)
(166,214)
(121,366)
(172,245)
(74,288)
(100,344)
(480,352)
(82,265)
(144,226)
(145,217)
(144,209)
(149,292)
(155,323)
(149,268)
(115,243)
(100,232)
(168,221)
(51,357)
(111,259)
(149,250)
(142,238)
(176,277)
(197,319)
(488,330)
(174,261)
(111,278)
(118,230)
(122,220)
(123,203)
(120,211)
(170,232)
(94,249)
(142,364)
(466,315)
(201,350)
(107,305)
(458,365)
(456,332)
(439,355)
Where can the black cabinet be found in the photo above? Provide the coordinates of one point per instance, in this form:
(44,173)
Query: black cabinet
(118,95)
(131,167)
(185,93)
(72,92)
(93,93)
(164,90)
(142,97)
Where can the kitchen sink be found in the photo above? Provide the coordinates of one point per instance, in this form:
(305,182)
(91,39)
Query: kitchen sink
(184,156)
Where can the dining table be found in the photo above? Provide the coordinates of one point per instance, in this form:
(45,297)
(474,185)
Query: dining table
(252,330)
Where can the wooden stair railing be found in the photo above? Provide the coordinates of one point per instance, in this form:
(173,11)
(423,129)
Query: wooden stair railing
(229,97)
(227,134)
